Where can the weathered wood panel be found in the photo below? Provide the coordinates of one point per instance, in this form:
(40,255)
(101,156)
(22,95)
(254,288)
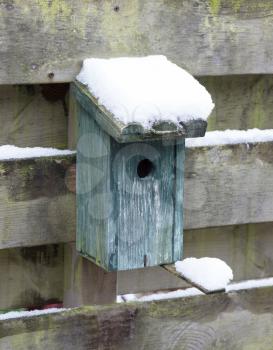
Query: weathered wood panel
(31,277)
(44,41)
(33,115)
(235,321)
(36,204)
(241,102)
(225,185)
(228,185)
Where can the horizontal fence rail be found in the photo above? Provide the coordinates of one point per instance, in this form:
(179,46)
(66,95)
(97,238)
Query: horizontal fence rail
(205,37)
(237,320)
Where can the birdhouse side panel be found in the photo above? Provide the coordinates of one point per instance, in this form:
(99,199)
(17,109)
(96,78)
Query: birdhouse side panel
(94,197)
(179,200)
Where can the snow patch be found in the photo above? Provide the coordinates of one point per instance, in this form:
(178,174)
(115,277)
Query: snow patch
(182,293)
(263,282)
(13,152)
(179,293)
(146,89)
(19,314)
(209,273)
(226,137)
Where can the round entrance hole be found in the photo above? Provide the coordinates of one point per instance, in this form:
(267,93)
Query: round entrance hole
(144,168)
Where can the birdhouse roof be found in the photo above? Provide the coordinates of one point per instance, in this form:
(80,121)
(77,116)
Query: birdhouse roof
(143,98)
(134,131)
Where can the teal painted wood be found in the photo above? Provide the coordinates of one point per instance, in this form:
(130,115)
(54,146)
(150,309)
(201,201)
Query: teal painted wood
(149,217)
(94,238)
(126,220)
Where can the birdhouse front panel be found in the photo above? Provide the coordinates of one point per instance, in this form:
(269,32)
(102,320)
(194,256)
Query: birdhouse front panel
(129,199)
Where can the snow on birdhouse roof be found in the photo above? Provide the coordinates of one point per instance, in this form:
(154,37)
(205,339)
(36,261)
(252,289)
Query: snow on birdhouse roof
(148,94)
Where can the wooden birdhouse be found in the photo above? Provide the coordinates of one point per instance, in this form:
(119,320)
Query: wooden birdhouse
(129,187)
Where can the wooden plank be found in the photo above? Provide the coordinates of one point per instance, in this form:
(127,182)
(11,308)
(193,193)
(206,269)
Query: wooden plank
(207,37)
(147,280)
(222,187)
(36,203)
(86,283)
(238,320)
(31,277)
(228,185)
(34,115)
(241,102)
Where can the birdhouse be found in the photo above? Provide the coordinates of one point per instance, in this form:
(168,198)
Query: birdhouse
(129,186)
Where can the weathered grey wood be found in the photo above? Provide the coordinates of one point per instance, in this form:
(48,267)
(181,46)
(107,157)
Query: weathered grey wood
(207,37)
(235,321)
(33,115)
(36,203)
(241,102)
(226,185)
(31,277)
(147,280)
(84,282)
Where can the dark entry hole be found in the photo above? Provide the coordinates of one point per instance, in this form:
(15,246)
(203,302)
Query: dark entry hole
(144,168)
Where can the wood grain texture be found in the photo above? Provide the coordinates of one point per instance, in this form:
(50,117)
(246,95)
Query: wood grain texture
(48,42)
(234,321)
(241,102)
(227,185)
(31,277)
(33,115)
(36,203)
